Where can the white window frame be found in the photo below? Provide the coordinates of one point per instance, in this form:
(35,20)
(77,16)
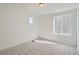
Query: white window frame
(61,33)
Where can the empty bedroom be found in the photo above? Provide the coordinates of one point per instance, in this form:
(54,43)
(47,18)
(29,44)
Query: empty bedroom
(39,28)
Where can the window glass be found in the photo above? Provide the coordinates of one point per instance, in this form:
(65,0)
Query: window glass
(62,24)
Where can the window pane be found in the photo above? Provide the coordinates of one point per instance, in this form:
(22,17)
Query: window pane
(66,24)
(30,20)
(58,24)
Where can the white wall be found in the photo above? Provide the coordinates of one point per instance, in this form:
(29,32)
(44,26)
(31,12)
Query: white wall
(14,26)
(46,28)
(78,29)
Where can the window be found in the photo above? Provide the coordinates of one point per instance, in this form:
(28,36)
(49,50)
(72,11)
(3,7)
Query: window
(62,25)
(30,20)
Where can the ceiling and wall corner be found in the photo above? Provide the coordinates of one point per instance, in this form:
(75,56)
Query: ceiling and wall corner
(52,8)
(49,8)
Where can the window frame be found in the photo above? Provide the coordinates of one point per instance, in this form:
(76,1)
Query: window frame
(61,33)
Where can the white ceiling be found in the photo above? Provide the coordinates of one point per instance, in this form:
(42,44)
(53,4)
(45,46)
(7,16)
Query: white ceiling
(52,8)
(49,7)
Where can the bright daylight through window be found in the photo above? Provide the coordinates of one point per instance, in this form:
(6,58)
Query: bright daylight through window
(62,25)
